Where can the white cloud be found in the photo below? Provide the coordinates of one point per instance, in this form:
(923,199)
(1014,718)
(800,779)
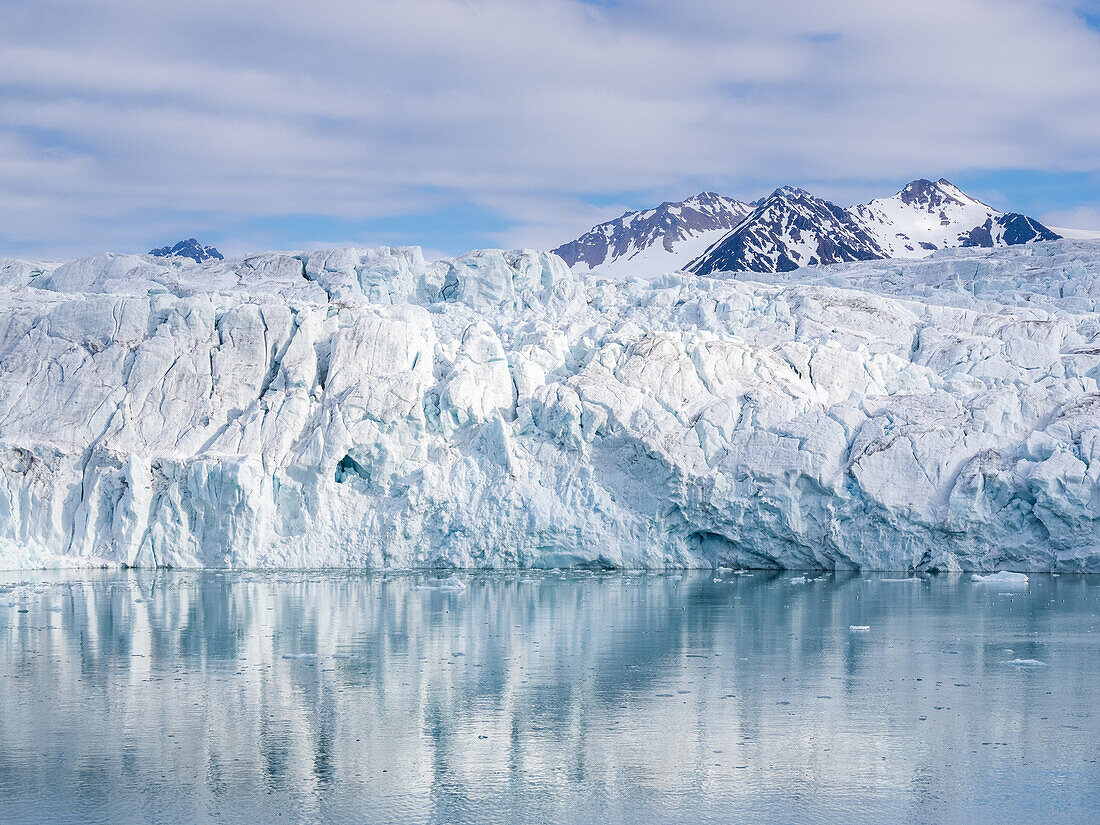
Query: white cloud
(1079,217)
(116,110)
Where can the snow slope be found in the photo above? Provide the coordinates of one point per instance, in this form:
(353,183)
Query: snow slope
(654,259)
(369,408)
(1077,234)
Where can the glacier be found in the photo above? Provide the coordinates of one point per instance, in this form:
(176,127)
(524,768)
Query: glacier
(370,408)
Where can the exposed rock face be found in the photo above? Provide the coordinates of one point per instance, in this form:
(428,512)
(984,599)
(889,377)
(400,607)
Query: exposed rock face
(368,408)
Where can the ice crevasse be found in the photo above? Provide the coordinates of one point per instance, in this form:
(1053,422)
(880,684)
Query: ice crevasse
(369,408)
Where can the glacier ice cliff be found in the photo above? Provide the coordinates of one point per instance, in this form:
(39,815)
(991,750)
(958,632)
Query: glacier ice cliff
(370,408)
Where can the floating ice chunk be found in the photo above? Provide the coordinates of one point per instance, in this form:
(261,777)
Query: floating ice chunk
(1026,663)
(860,628)
(451,583)
(910,579)
(797,580)
(306,657)
(1003,577)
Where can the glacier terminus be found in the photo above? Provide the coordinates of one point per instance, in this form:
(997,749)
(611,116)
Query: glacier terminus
(371,408)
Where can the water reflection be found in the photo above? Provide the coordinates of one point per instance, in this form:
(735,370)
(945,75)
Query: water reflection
(178,697)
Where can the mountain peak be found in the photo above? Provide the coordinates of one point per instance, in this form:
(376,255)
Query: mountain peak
(704,199)
(923,192)
(189,248)
(926,194)
(920,186)
(789,192)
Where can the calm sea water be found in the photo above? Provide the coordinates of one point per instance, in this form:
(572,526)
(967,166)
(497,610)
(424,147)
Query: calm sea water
(547,698)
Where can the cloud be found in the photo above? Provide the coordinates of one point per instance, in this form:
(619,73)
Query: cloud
(1079,217)
(123,123)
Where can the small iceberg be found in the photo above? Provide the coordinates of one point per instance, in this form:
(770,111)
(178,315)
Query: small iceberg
(452,584)
(1026,663)
(859,628)
(1004,577)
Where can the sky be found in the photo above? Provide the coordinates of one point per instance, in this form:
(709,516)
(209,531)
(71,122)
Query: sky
(461,124)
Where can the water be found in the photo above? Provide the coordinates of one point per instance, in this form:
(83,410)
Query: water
(572,698)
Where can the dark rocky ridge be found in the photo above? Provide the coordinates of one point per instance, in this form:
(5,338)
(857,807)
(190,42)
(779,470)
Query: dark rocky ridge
(791,228)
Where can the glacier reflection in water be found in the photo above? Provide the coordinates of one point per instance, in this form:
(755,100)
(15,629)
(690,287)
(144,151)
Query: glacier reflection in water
(261,697)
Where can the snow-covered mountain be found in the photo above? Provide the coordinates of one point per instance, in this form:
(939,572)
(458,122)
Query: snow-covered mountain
(369,408)
(926,216)
(189,248)
(793,228)
(655,241)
